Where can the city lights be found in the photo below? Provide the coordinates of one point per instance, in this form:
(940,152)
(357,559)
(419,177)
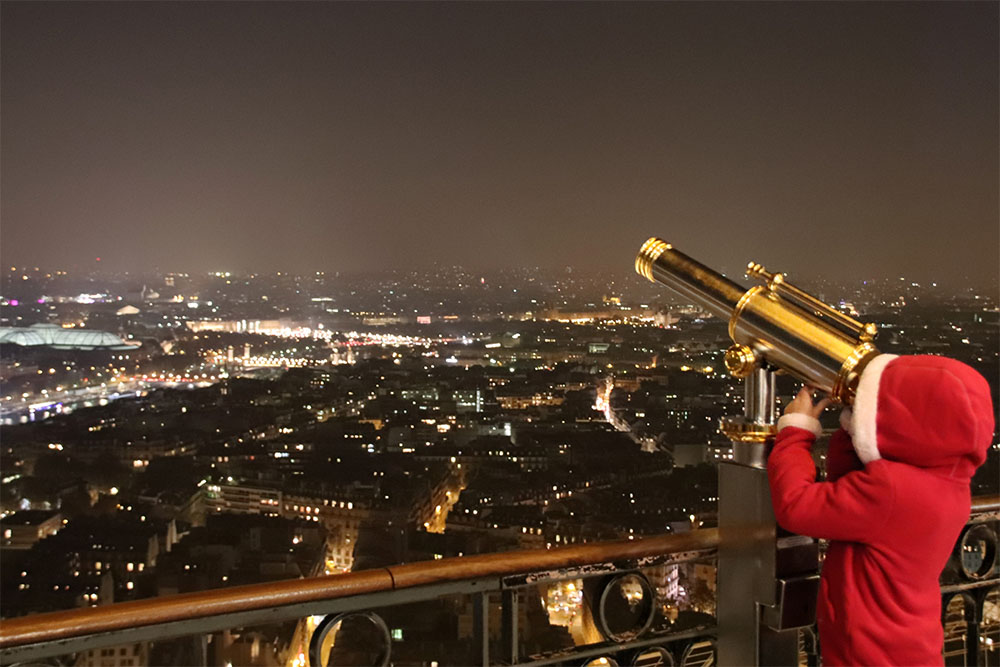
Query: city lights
(335,303)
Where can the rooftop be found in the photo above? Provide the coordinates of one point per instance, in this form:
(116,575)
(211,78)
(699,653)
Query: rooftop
(54,336)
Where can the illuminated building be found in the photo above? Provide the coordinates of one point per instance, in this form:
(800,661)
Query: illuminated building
(59,338)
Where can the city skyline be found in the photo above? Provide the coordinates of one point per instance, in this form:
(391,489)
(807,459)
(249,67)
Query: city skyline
(828,140)
(325,339)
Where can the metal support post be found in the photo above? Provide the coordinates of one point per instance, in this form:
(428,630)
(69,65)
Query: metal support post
(481,623)
(765,582)
(973,630)
(201,649)
(510,625)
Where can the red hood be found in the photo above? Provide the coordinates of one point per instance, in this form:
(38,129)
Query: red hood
(927,411)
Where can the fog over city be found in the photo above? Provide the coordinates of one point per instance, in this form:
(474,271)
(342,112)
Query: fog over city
(834,139)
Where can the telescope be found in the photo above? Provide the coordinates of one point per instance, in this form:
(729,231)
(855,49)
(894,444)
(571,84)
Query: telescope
(774,326)
(767,585)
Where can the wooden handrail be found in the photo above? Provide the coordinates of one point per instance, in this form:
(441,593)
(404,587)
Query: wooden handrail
(186,606)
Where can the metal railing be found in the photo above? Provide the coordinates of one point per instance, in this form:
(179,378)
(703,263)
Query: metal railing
(612,574)
(970,590)
(39,636)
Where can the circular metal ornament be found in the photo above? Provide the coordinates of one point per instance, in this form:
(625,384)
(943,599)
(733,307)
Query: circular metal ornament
(653,656)
(699,654)
(370,626)
(977,552)
(601,661)
(625,607)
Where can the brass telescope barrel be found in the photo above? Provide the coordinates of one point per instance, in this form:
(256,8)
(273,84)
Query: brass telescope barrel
(809,303)
(661,263)
(776,323)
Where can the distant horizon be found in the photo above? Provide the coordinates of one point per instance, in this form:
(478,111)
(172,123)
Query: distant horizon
(100,271)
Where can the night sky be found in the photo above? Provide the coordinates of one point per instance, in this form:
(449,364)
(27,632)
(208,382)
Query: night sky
(843,139)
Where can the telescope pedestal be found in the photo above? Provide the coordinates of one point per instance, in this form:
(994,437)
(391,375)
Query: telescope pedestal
(767,579)
(748,579)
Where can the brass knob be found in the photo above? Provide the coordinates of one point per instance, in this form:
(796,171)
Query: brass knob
(868,333)
(757,270)
(740,361)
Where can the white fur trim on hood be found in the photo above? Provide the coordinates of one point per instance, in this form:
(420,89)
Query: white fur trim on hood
(800,420)
(865,411)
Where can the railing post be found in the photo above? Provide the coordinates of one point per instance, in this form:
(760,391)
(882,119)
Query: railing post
(973,616)
(481,621)
(510,628)
(201,650)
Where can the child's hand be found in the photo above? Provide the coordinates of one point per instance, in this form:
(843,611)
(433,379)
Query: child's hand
(803,403)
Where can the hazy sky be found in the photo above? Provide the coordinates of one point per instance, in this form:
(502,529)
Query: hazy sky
(840,139)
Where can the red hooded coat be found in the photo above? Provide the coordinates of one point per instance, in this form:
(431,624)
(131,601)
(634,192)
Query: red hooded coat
(895,500)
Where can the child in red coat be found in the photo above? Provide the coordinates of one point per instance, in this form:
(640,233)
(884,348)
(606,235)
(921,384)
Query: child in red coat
(894,502)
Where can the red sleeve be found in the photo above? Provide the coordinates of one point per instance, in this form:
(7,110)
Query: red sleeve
(840,456)
(852,509)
